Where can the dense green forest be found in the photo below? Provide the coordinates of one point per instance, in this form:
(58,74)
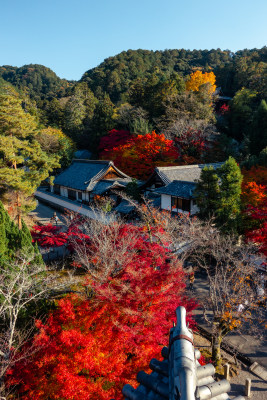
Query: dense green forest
(39,82)
(141,90)
(233,70)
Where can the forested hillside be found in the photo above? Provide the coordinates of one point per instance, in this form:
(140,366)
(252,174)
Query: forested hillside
(141,90)
(233,70)
(39,81)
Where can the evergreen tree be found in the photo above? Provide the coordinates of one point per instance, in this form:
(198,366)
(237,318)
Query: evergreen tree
(25,237)
(23,164)
(132,190)
(207,192)
(263,157)
(13,239)
(218,194)
(241,113)
(259,129)
(102,121)
(228,204)
(79,111)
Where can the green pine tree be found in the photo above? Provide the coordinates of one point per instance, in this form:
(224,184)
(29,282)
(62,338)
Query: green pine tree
(38,259)
(207,192)
(228,207)
(218,194)
(132,190)
(102,121)
(259,129)
(23,164)
(12,233)
(13,239)
(25,238)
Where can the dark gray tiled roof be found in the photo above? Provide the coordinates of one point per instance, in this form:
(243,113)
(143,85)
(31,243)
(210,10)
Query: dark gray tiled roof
(82,173)
(99,187)
(178,188)
(189,173)
(124,207)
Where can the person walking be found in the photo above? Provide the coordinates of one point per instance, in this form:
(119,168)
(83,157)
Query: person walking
(56,218)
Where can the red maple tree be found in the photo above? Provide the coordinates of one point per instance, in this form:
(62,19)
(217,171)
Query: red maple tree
(49,236)
(91,346)
(258,235)
(138,155)
(113,139)
(193,146)
(254,200)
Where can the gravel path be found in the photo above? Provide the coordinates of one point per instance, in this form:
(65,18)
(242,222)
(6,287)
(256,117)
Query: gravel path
(258,386)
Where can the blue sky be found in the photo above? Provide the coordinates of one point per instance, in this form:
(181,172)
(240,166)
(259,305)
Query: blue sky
(72,36)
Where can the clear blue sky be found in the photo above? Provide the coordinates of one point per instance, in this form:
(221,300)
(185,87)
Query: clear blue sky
(72,36)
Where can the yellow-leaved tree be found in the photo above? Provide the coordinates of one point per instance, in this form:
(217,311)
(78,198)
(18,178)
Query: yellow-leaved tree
(198,79)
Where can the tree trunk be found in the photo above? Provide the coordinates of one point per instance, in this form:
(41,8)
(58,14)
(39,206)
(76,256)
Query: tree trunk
(216,346)
(18,212)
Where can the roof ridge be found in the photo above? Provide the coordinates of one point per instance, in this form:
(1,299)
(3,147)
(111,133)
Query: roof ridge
(100,173)
(92,161)
(178,180)
(187,166)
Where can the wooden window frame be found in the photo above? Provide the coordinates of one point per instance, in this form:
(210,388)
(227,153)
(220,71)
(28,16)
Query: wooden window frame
(179,203)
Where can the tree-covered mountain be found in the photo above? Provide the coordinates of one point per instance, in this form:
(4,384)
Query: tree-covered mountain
(115,74)
(232,70)
(245,68)
(38,81)
(141,90)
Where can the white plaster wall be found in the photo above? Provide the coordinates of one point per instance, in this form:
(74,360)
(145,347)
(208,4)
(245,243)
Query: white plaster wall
(63,191)
(77,196)
(85,196)
(166,203)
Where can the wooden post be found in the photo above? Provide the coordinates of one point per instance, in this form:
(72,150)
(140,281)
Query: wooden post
(248,387)
(226,371)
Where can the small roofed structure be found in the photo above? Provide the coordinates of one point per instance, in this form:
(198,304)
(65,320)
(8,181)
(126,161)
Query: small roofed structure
(162,176)
(179,376)
(178,196)
(84,179)
(176,186)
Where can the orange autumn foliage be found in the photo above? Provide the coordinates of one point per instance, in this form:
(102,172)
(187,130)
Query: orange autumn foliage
(140,154)
(254,186)
(254,199)
(91,346)
(198,79)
